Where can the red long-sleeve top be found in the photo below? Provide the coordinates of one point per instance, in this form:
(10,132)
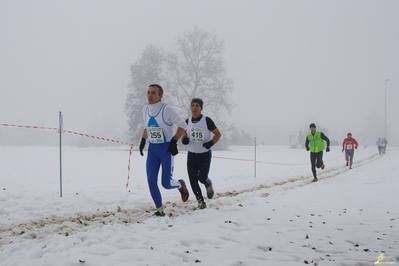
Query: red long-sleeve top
(349,144)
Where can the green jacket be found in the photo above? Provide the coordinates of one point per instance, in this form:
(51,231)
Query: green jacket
(316,143)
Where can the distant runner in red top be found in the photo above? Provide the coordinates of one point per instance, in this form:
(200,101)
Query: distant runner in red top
(349,145)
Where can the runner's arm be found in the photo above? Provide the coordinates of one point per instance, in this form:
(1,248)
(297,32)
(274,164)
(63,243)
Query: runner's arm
(144,134)
(324,137)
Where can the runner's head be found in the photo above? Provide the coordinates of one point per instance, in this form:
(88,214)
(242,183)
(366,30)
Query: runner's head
(154,93)
(199,101)
(312,128)
(196,107)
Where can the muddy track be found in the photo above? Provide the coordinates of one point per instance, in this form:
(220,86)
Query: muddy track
(291,183)
(68,225)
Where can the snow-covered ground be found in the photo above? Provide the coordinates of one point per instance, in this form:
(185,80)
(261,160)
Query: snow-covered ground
(268,215)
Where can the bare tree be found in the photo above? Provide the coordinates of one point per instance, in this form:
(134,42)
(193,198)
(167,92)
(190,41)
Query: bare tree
(194,69)
(148,69)
(197,69)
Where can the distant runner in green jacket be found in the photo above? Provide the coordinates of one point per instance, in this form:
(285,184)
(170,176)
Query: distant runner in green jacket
(315,143)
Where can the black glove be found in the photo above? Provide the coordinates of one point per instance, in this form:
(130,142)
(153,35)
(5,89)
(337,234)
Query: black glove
(356,147)
(185,141)
(173,146)
(142,145)
(342,150)
(307,148)
(208,144)
(328,149)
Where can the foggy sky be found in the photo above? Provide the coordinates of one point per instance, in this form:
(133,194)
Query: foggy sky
(292,62)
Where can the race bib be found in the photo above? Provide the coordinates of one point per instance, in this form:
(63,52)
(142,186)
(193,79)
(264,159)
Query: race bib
(197,134)
(349,146)
(155,135)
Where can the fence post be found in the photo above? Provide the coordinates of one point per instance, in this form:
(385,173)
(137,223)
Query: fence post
(60,131)
(255,158)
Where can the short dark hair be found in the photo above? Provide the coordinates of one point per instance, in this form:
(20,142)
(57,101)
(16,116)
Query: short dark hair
(160,90)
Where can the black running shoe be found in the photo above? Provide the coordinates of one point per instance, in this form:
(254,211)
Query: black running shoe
(201,205)
(209,190)
(159,213)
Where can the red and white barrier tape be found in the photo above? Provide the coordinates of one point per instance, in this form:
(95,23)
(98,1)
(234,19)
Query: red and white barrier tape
(35,127)
(250,160)
(131,147)
(128,166)
(83,135)
(95,137)
(71,132)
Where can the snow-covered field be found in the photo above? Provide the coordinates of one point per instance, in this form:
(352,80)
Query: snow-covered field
(268,215)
